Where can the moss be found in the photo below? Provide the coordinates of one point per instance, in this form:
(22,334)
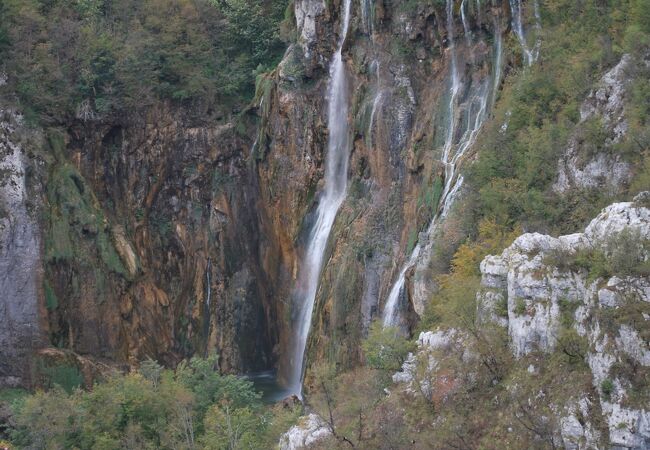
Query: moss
(51,301)
(78,229)
(66,376)
(413,238)
(520,306)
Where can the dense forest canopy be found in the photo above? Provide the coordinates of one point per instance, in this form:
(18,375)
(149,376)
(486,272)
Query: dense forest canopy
(97,57)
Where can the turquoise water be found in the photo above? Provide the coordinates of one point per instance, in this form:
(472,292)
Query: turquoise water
(267,383)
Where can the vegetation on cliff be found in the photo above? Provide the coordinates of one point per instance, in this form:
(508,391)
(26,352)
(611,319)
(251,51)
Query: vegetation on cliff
(94,58)
(539,109)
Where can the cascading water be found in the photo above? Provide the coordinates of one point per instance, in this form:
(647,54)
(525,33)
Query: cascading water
(516,9)
(466,29)
(375,105)
(207,314)
(476,109)
(367,16)
(336,171)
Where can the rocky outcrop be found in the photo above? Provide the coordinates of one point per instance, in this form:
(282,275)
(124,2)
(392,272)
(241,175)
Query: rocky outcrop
(420,370)
(549,286)
(602,113)
(309,430)
(577,304)
(22,330)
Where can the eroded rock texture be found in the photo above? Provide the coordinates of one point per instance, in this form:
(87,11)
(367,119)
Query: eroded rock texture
(539,284)
(20,256)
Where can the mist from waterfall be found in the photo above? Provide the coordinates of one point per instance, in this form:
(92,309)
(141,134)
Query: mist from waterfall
(475,111)
(336,170)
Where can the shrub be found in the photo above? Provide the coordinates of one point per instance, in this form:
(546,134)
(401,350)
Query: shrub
(573,346)
(520,306)
(385,348)
(607,388)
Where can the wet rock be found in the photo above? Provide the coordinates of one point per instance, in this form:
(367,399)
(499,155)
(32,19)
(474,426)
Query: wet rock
(20,258)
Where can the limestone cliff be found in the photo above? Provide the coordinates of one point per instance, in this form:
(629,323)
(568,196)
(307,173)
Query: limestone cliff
(551,297)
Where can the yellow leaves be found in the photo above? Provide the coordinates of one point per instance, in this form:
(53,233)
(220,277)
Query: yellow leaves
(454,303)
(493,238)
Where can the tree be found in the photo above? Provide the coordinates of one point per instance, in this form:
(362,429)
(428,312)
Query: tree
(385,348)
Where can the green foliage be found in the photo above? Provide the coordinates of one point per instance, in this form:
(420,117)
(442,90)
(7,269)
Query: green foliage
(91,57)
(520,306)
(517,165)
(622,254)
(385,348)
(51,302)
(573,346)
(567,312)
(66,377)
(607,388)
(192,407)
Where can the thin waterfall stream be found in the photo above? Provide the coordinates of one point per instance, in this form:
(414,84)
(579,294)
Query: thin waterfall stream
(516,9)
(334,191)
(452,152)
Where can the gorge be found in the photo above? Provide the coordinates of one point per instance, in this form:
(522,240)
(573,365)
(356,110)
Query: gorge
(389,214)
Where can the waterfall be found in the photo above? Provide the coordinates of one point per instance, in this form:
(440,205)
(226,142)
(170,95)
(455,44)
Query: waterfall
(498,61)
(466,29)
(207,283)
(476,109)
(336,170)
(368,16)
(516,9)
(375,104)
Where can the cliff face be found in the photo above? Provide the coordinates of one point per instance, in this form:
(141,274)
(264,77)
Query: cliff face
(20,255)
(146,244)
(399,68)
(553,297)
(545,290)
(168,232)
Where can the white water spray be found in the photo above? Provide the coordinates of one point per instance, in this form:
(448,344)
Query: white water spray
(336,170)
(476,113)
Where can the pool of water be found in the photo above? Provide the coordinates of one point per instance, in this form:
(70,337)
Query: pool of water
(267,384)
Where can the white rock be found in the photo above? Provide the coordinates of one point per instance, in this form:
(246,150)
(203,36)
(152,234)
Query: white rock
(630,342)
(602,170)
(309,430)
(307,11)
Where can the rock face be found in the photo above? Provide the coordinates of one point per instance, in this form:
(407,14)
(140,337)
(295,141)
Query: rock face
(399,110)
(20,256)
(419,370)
(171,232)
(581,167)
(534,290)
(309,430)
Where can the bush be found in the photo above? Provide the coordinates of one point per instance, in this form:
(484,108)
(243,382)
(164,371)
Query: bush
(191,407)
(385,348)
(607,388)
(114,55)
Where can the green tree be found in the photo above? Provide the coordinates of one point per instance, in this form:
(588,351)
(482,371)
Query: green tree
(385,348)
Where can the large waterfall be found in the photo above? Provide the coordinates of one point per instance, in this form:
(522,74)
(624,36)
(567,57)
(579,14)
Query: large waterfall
(336,170)
(469,116)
